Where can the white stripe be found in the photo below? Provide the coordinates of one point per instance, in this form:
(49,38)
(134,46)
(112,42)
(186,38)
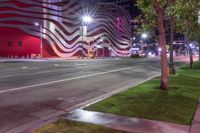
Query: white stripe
(63,80)
(42,72)
(10,70)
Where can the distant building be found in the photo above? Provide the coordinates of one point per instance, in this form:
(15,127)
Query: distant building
(131,8)
(60,29)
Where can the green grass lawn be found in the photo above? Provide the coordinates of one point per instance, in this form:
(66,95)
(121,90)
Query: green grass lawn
(177,105)
(65,126)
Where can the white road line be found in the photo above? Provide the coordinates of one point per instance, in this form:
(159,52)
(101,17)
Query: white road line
(55,65)
(10,70)
(64,80)
(35,73)
(60,65)
(24,67)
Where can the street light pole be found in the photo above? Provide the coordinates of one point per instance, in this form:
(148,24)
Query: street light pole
(85,20)
(41,45)
(103,46)
(82,43)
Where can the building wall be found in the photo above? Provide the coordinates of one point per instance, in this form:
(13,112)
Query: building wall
(61,22)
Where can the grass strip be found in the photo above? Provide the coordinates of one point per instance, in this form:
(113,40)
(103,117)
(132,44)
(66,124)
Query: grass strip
(177,105)
(66,126)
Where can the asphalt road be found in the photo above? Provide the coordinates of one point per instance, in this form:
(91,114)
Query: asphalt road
(31,91)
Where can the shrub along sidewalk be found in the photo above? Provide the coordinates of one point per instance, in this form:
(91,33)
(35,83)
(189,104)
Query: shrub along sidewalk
(177,105)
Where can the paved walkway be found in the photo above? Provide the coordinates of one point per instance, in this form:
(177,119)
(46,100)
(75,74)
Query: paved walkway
(128,124)
(195,127)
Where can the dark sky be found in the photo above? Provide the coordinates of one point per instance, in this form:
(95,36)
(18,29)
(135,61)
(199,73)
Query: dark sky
(129,5)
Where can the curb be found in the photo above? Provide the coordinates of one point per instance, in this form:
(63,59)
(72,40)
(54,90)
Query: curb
(33,125)
(125,123)
(195,126)
(100,98)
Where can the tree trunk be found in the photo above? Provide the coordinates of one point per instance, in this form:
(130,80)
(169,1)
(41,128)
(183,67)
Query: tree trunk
(171,61)
(162,41)
(191,58)
(164,64)
(199,51)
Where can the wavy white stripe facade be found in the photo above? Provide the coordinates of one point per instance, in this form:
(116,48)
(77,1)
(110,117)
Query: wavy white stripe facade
(61,21)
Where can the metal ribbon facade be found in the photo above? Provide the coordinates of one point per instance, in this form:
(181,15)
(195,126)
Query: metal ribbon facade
(61,22)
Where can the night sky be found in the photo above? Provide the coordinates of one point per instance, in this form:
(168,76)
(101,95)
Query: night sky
(129,5)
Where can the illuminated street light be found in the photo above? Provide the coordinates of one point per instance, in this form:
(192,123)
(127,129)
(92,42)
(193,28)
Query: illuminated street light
(159,49)
(85,20)
(190,45)
(144,35)
(36,23)
(40,26)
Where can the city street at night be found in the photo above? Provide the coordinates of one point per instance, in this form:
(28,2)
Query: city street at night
(35,90)
(99,66)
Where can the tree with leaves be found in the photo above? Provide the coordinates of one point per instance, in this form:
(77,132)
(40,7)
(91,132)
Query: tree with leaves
(187,21)
(155,13)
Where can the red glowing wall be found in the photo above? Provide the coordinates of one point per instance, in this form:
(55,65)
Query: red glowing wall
(15,43)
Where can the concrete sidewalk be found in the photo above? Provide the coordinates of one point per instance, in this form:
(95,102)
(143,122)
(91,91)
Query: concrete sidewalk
(129,124)
(195,127)
(135,125)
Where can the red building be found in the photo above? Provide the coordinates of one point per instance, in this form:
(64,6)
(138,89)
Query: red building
(60,20)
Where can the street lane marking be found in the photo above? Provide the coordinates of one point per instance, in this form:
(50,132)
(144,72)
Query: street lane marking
(55,65)
(64,80)
(74,65)
(35,73)
(28,68)
(24,67)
